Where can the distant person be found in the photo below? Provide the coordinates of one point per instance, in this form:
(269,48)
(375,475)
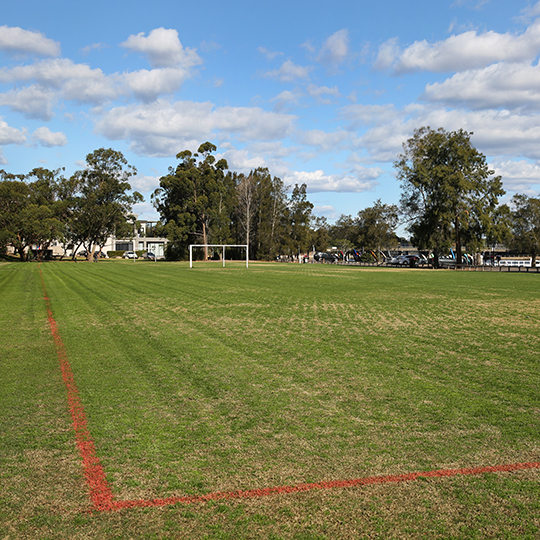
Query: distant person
(96,255)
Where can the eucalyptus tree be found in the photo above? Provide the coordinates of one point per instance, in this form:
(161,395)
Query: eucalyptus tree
(271,219)
(449,192)
(299,217)
(376,227)
(525,222)
(32,210)
(195,200)
(104,203)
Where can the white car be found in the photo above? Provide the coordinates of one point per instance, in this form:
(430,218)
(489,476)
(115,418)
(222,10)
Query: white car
(129,255)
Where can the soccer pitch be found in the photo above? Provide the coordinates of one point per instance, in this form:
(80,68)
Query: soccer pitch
(218,380)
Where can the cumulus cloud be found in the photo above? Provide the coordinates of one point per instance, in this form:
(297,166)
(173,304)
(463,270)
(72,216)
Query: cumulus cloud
(144,183)
(519,176)
(289,71)
(16,41)
(77,82)
(9,135)
(163,128)
(163,48)
(496,132)
(45,137)
(149,85)
(55,79)
(507,85)
(318,181)
(460,52)
(335,49)
(243,161)
(32,101)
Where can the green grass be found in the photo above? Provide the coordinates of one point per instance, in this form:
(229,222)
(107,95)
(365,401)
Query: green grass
(210,379)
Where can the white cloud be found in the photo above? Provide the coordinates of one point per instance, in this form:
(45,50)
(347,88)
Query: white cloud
(15,40)
(321,93)
(335,49)
(32,101)
(496,132)
(286,99)
(9,135)
(45,137)
(318,181)
(365,115)
(530,12)
(519,176)
(243,161)
(322,140)
(144,183)
(163,128)
(149,85)
(460,52)
(289,71)
(57,79)
(163,48)
(326,210)
(500,85)
(77,82)
(270,55)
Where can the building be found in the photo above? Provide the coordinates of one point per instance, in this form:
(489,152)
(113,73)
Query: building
(144,239)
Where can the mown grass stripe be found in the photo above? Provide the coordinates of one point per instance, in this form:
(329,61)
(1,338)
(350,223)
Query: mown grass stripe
(100,492)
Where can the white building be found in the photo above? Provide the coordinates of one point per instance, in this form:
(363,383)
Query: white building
(144,239)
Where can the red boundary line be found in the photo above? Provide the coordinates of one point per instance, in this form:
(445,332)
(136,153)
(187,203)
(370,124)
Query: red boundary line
(102,496)
(100,492)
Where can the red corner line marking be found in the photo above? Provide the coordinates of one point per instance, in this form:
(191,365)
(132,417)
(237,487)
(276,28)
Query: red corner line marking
(101,494)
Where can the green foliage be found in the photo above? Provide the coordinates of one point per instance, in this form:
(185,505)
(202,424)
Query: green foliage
(31,212)
(372,229)
(103,205)
(200,203)
(448,194)
(195,201)
(525,220)
(299,216)
(376,226)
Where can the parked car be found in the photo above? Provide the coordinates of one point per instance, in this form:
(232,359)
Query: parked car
(130,255)
(324,256)
(149,255)
(405,260)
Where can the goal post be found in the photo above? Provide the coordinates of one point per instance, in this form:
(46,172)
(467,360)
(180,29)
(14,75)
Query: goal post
(222,246)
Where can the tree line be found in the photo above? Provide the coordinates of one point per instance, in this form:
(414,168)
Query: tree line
(449,199)
(82,210)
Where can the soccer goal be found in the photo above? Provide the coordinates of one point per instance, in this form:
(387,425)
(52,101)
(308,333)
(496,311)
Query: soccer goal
(222,246)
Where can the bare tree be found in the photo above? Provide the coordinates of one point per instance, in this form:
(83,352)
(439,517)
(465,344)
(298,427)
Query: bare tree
(246,193)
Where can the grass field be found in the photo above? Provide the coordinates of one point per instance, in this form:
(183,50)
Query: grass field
(205,380)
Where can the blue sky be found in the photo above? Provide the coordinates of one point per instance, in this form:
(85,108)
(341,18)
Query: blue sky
(318,92)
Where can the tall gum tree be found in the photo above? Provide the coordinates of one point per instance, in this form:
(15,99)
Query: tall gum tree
(104,204)
(449,192)
(194,200)
(525,222)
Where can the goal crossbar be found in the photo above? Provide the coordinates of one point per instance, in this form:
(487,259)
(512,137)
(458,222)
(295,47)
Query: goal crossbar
(223,246)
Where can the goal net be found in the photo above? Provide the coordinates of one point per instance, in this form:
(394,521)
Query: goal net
(222,246)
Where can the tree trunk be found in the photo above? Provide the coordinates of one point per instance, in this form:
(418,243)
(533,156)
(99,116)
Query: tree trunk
(458,242)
